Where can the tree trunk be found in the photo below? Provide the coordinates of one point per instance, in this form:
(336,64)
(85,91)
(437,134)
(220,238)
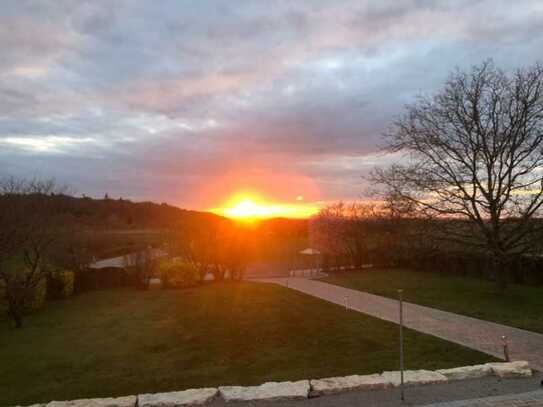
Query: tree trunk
(15,313)
(500,272)
(17,318)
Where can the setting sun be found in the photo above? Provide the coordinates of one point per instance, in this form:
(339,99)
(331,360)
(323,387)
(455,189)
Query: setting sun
(251,206)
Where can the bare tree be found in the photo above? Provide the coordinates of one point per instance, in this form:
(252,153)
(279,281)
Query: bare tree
(220,249)
(197,247)
(72,250)
(327,232)
(145,262)
(29,219)
(362,231)
(474,156)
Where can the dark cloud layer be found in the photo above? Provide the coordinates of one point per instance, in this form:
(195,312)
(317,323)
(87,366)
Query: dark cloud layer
(183,100)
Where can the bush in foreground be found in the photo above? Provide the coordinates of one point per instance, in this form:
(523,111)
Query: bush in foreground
(179,275)
(60,284)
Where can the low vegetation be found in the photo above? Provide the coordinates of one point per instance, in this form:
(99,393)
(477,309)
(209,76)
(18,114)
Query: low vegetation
(179,275)
(520,306)
(49,239)
(127,341)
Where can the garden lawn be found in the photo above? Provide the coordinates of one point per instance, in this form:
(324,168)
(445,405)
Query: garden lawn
(120,342)
(519,306)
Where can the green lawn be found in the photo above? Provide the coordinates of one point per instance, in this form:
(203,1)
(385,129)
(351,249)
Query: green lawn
(519,306)
(121,342)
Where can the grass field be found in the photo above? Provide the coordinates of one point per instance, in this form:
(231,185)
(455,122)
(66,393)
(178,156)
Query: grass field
(122,342)
(519,306)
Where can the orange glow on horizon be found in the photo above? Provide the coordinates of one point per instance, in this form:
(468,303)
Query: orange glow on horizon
(250,206)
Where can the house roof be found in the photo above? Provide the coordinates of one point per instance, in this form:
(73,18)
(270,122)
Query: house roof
(123,261)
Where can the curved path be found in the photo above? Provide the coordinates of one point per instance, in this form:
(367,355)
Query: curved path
(474,333)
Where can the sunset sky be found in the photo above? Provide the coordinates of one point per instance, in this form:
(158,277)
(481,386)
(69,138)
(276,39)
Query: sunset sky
(193,102)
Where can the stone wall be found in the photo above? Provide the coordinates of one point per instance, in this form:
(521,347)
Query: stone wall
(302,389)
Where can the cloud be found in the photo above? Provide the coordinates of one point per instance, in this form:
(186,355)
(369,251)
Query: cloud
(170,102)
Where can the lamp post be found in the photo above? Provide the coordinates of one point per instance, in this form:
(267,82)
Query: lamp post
(505,348)
(400,298)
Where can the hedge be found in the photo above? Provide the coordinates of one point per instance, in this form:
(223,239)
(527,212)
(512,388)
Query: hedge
(178,275)
(60,284)
(37,297)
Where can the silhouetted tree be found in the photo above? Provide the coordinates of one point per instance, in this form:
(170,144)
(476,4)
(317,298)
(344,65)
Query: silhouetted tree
(221,248)
(362,230)
(30,221)
(474,154)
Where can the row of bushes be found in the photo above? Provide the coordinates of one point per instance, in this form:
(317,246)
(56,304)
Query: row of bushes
(60,284)
(57,285)
(178,275)
(173,275)
(92,279)
(526,270)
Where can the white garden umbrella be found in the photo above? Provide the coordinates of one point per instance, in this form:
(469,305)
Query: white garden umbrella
(312,252)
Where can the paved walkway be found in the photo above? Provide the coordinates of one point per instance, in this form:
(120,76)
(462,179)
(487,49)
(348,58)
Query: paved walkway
(471,332)
(477,392)
(531,399)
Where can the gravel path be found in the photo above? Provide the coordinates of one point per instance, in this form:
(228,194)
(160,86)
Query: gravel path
(474,333)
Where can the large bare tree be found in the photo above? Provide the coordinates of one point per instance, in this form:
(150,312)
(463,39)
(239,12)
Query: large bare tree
(474,156)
